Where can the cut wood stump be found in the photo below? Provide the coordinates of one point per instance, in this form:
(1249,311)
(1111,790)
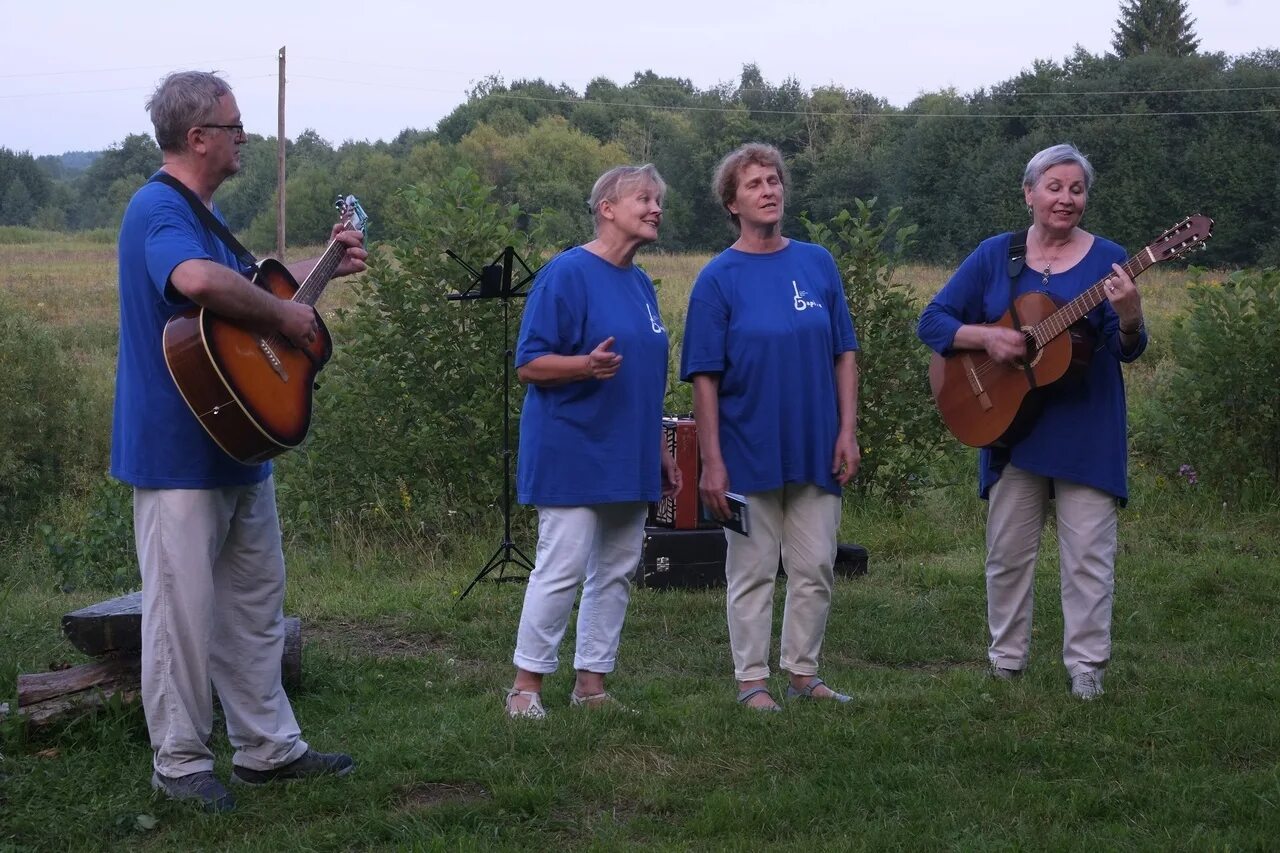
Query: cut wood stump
(112,631)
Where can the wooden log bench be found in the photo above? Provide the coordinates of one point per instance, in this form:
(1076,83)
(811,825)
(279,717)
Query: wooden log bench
(112,632)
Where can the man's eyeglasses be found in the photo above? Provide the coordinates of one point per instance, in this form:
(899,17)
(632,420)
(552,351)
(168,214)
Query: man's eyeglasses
(236,129)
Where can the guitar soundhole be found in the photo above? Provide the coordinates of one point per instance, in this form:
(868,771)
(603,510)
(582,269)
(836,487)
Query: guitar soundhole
(1033,353)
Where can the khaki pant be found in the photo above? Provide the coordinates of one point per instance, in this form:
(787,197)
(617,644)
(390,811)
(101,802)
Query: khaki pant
(212,597)
(800,521)
(1087,552)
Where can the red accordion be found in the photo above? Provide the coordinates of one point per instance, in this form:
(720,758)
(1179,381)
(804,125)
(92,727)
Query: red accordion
(683,510)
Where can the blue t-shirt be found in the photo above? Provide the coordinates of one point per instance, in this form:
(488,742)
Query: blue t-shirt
(156,442)
(1081,432)
(592,441)
(772,326)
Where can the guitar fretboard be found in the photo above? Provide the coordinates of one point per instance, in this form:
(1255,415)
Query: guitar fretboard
(309,292)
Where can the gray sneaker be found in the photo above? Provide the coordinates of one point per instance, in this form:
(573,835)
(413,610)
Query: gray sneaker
(1000,673)
(311,764)
(203,787)
(1087,685)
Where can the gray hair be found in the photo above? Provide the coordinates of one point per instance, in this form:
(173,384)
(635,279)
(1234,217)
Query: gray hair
(724,185)
(1056,155)
(182,101)
(614,183)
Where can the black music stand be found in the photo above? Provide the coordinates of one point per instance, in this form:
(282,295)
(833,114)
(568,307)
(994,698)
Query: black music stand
(494,282)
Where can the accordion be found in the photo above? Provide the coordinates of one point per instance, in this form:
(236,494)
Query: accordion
(683,510)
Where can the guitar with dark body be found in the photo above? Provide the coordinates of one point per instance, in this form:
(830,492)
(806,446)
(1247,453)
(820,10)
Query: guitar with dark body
(985,403)
(252,392)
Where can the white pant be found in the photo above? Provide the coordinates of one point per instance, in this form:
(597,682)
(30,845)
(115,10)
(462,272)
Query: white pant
(1087,552)
(212,596)
(799,521)
(600,545)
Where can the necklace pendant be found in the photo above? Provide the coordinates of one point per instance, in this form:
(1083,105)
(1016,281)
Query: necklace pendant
(1044,279)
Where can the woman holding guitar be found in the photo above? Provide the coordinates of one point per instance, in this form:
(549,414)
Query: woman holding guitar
(1073,449)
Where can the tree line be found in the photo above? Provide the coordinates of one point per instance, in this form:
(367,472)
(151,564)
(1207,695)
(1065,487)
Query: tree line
(1170,131)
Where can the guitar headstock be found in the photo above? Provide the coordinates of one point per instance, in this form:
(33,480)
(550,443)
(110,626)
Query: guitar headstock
(351,214)
(1187,235)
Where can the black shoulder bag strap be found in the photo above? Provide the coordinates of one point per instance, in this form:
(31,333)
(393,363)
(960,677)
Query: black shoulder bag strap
(246,258)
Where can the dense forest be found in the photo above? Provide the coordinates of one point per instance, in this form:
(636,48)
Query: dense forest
(1169,130)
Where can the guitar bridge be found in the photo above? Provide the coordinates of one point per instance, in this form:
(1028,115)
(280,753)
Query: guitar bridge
(274,360)
(975,384)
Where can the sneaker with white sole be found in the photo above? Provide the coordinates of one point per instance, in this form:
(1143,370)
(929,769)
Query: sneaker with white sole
(1001,673)
(308,766)
(202,787)
(1087,685)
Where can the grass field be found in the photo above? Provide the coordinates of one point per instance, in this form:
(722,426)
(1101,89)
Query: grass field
(1182,752)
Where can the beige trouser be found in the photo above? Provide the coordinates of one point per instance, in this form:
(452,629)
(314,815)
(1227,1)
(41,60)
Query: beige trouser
(801,520)
(212,597)
(1087,552)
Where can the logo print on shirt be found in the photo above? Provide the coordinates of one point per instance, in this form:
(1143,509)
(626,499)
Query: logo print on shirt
(800,301)
(655,322)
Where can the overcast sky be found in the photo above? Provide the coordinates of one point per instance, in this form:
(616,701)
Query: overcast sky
(75,75)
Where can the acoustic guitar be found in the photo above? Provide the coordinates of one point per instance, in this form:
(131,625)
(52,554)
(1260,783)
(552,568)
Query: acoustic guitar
(253,392)
(985,403)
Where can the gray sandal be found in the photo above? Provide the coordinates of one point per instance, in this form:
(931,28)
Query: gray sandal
(744,696)
(814,683)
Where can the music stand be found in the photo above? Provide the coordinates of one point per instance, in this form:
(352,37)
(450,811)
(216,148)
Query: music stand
(494,282)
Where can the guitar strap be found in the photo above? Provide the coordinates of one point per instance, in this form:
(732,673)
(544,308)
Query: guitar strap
(1017,263)
(211,222)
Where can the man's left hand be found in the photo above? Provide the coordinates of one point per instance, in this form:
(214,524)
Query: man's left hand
(354,260)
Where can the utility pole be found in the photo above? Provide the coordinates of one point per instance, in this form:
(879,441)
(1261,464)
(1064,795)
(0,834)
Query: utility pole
(280,140)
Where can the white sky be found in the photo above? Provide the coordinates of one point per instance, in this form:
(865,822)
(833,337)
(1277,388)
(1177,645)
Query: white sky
(75,75)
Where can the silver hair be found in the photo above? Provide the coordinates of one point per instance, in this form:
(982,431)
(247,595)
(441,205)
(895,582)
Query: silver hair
(612,184)
(1056,155)
(182,101)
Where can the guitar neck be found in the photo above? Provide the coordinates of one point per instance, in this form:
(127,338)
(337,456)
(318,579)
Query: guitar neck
(310,290)
(1062,319)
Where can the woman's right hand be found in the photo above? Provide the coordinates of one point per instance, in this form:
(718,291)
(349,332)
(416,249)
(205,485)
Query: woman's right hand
(603,362)
(712,484)
(1005,345)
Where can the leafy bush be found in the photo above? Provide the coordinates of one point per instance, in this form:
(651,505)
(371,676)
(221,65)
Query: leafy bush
(408,424)
(40,420)
(97,550)
(1218,409)
(899,431)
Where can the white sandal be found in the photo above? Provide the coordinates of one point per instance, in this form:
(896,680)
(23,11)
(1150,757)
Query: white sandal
(535,711)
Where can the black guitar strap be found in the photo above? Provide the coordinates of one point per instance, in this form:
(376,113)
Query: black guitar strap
(1017,263)
(246,258)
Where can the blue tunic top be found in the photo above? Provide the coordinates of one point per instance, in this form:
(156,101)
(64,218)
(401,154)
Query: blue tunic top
(1081,433)
(772,326)
(156,442)
(592,441)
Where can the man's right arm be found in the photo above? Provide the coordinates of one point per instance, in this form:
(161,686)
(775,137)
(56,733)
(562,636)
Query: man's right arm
(226,292)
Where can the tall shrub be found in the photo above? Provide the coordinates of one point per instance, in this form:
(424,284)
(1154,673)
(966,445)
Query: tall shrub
(899,430)
(1218,412)
(408,424)
(39,421)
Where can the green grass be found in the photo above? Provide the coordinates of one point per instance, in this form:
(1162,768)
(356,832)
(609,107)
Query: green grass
(1181,753)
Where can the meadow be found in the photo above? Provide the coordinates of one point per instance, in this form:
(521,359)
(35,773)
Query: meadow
(1181,753)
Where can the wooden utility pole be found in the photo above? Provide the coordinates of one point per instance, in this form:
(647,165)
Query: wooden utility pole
(280,140)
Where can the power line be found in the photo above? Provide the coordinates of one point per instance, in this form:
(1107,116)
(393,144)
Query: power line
(815,113)
(129,68)
(674,85)
(105,91)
